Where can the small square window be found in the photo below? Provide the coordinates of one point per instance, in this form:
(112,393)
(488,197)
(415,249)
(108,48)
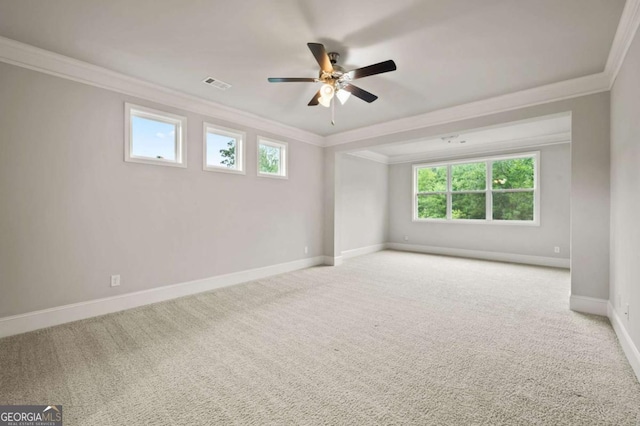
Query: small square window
(154,137)
(223,149)
(272,158)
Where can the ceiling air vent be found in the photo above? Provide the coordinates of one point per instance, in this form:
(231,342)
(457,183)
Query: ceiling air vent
(218,84)
(452,139)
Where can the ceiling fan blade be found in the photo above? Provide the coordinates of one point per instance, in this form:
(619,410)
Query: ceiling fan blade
(374,69)
(360,93)
(314,100)
(321,56)
(291,80)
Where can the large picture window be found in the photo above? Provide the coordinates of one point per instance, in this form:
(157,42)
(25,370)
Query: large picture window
(500,189)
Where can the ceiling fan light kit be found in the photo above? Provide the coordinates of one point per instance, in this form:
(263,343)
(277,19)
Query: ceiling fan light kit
(336,81)
(343,96)
(326,94)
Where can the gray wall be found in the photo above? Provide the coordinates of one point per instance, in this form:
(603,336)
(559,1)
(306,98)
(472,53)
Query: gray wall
(73,212)
(364,204)
(625,192)
(555,184)
(589,181)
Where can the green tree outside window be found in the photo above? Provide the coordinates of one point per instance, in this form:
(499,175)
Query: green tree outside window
(465,192)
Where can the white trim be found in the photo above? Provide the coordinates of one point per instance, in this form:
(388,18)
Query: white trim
(333,261)
(180,123)
(485,149)
(488,190)
(284,157)
(62,314)
(31,57)
(240,138)
(627,28)
(555,262)
(371,156)
(347,254)
(629,348)
(588,305)
(567,89)
(27,56)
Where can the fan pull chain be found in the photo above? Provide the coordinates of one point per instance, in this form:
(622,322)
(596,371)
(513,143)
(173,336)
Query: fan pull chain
(333,112)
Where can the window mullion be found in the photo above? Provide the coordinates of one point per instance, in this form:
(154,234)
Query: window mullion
(449,192)
(489,189)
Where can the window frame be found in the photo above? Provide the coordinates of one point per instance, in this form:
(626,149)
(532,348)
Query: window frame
(446,192)
(240,138)
(284,157)
(180,122)
(488,191)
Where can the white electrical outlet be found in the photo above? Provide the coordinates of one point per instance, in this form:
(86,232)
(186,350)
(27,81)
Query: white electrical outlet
(306,250)
(556,249)
(406,238)
(115,280)
(626,311)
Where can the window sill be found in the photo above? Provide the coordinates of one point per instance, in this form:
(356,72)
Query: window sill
(224,170)
(478,222)
(273,176)
(153,162)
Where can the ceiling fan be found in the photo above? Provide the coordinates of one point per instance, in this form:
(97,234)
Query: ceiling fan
(336,80)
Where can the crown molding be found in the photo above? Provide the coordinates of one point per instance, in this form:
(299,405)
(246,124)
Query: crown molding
(582,86)
(567,89)
(627,28)
(463,151)
(487,148)
(27,56)
(371,156)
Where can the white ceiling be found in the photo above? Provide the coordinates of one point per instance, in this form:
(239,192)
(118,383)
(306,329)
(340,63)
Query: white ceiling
(528,133)
(448,52)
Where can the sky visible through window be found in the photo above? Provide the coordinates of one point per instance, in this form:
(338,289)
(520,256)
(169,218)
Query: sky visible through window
(153,139)
(215,143)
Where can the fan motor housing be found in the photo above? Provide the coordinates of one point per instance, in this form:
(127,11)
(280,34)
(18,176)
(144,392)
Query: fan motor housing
(338,71)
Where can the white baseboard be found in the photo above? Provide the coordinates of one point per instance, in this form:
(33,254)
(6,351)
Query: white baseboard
(333,261)
(485,255)
(588,305)
(30,321)
(630,350)
(347,254)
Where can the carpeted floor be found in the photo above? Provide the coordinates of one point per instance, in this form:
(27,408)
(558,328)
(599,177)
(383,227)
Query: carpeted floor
(388,338)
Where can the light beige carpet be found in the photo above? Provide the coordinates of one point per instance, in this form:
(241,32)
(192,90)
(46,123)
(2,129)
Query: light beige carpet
(388,338)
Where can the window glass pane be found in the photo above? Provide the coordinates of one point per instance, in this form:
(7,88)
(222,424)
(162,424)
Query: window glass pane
(153,139)
(468,206)
(221,150)
(432,179)
(269,159)
(469,177)
(432,206)
(513,205)
(516,173)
